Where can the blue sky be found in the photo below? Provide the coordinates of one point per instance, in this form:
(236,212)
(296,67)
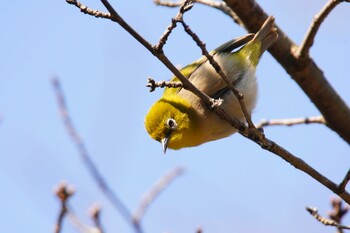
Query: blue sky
(230,185)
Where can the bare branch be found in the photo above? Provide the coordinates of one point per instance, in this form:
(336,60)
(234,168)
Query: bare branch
(218,70)
(85,156)
(309,38)
(168,3)
(215,4)
(325,221)
(89,11)
(155,191)
(305,72)
(344,182)
(160,55)
(63,192)
(185,6)
(79,225)
(291,121)
(338,211)
(170,84)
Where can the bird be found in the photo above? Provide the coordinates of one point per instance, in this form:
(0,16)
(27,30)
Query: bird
(180,119)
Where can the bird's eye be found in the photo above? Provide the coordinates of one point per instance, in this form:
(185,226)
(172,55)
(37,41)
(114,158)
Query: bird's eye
(171,123)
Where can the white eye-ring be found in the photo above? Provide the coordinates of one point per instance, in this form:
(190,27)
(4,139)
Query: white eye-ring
(171,123)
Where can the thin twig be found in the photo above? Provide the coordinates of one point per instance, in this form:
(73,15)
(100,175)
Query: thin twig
(218,70)
(79,225)
(215,4)
(325,221)
(160,55)
(187,5)
(184,7)
(85,156)
(95,213)
(344,182)
(338,211)
(89,11)
(170,84)
(63,192)
(155,191)
(309,38)
(291,121)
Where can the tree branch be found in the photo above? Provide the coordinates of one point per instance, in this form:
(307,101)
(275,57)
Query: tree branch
(79,225)
(85,156)
(170,84)
(187,5)
(220,5)
(155,190)
(63,192)
(325,221)
(304,71)
(344,182)
(291,121)
(89,11)
(309,38)
(219,71)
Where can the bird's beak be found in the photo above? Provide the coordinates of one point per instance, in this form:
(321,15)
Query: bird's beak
(165,144)
(165,141)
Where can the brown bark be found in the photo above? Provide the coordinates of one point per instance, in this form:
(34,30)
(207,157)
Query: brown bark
(302,69)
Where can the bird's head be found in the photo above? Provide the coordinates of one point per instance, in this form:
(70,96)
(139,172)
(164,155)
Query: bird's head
(170,121)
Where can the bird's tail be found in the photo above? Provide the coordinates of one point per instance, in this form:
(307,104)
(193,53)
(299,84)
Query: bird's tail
(267,34)
(261,41)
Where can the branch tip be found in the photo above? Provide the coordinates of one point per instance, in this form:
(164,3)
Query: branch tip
(325,221)
(154,191)
(169,84)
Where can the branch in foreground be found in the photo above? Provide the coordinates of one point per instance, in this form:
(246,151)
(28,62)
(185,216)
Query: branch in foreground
(338,211)
(291,121)
(85,156)
(304,71)
(315,25)
(344,182)
(187,5)
(218,70)
(63,192)
(184,7)
(170,84)
(154,192)
(160,55)
(325,221)
(89,11)
(220,5)
(254,135)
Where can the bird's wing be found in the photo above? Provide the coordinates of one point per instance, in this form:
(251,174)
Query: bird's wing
(223,91)
(227,47)
(233,44)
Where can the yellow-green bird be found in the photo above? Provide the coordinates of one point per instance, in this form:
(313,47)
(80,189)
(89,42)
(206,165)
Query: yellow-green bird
(180,119)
